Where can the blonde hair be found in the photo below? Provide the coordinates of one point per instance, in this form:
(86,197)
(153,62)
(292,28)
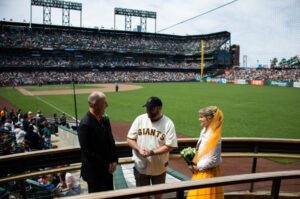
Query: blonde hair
(208,112)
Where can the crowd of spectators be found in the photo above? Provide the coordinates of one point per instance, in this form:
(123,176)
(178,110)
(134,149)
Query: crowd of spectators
(97,76)
(89,61)
(23,37)
(21,132)
(26,61)
(51,77)
(291,75)
(283,66)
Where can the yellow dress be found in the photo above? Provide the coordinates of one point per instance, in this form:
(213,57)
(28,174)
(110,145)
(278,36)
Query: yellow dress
(210,192)
(215,129)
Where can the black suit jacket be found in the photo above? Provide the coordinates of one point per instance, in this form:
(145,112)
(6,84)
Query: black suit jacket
(97,148)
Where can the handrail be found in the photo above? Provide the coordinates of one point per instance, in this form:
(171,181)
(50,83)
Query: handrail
(38,153)
(181,142)
(248,139)
(180,187)
(40,173)
(18,163)
(129,160)
(249,155)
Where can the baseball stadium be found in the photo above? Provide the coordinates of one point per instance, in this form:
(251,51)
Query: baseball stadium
(48,73)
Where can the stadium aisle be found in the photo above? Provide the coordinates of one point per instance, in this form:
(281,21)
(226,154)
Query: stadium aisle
(119,181)
(129,177)
(123,177)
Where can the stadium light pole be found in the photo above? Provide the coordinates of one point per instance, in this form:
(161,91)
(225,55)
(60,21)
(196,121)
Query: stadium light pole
(30,15)
(71,52)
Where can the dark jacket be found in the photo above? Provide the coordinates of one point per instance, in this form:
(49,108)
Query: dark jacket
(97,148)
(33,139)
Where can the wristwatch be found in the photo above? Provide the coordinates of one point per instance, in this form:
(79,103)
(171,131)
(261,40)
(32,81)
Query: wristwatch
(152,152)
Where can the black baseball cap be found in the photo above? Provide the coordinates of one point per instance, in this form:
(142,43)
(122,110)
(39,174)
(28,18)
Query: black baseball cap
(153,102)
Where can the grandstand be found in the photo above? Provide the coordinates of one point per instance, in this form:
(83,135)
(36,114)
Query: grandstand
(116,53)
(289,75)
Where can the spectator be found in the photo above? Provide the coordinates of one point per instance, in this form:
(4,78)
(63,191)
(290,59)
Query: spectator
(63,119)
(116,87)
(19,115)
(33,139)
(7,144)
(69,185)
(19,133)
(3,115)
(47,131)
(47,182)
(30,115)
(25,122)
(55,123)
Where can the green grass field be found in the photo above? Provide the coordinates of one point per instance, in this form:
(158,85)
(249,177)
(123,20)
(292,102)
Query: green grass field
(250,111)
(59,87)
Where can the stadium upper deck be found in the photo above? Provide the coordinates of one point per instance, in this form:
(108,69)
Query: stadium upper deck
(19,35)
(22,46)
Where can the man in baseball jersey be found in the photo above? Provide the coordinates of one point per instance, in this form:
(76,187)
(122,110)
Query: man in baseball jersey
(152,136)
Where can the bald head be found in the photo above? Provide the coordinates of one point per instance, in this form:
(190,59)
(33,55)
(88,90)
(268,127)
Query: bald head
(95,97)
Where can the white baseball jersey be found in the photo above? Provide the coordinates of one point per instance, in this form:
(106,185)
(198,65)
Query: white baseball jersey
(149,136)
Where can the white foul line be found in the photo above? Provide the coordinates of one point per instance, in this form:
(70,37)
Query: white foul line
(48,103)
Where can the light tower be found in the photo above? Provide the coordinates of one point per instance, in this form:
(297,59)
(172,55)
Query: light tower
(129,13)
(66,6)
(244,61)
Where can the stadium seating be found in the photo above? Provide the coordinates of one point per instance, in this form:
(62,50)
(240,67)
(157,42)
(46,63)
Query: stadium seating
(115,55)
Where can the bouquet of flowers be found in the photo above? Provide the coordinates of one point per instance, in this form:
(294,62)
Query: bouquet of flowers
(188,154)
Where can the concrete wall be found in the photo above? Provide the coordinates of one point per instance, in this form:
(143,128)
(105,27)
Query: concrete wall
(68,136)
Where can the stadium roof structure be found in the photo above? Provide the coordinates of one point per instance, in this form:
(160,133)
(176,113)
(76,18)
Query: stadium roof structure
(108,31)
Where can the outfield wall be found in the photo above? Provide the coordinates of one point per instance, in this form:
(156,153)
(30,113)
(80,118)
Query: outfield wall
(254,82)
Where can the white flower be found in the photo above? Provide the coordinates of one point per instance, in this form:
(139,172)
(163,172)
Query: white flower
(188,154)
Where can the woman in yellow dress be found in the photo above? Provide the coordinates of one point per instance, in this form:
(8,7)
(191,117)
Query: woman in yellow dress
(207,160)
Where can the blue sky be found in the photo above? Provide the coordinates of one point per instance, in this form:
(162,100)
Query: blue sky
(263,28)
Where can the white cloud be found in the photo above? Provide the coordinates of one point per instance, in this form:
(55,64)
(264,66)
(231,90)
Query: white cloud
(263,28)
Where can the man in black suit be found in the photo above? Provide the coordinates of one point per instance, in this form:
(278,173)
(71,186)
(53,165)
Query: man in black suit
(98,150)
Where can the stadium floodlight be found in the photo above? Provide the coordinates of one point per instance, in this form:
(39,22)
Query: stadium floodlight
(57,4)
(66,6)
(136,13)
(128,13)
